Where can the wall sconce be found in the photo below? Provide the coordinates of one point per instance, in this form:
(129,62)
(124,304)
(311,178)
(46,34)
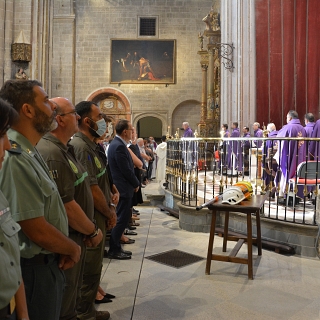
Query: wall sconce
(226,50)
(167,85)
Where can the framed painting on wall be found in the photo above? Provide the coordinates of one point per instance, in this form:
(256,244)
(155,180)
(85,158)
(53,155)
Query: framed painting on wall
(142,61)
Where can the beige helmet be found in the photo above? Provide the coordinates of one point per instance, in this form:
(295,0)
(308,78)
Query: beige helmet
(233,195)
(246,188)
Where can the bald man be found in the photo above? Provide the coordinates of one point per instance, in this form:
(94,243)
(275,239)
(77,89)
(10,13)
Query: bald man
(74,188)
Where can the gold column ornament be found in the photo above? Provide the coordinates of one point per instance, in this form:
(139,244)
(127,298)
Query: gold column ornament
(204,62)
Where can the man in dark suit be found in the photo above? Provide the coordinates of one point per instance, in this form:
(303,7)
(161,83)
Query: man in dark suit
(122,171)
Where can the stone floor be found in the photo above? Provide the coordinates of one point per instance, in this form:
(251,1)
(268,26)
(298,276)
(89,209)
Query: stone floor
(284,287)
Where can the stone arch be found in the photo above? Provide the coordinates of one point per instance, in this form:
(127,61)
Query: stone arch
(187,110)
(115,95)
(161,117)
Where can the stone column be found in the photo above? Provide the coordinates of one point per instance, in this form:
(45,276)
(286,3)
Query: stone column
(63,59)
(238,88)
(2,28)
(5,52)
(41,31)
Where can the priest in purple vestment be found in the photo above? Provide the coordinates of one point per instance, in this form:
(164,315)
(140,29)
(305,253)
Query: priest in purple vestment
(314,149)
(309,122)
(187,130)
(258,133)
(290,153)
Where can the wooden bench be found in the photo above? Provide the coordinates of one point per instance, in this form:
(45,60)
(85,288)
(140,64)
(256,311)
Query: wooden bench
(248,207)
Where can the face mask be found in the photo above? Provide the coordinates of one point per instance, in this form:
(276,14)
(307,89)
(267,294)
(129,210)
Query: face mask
(102,127)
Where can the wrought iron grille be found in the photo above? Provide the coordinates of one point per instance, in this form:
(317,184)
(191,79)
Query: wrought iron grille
(285,168)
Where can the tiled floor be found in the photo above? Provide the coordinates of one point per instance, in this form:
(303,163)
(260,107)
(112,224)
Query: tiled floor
(284,287)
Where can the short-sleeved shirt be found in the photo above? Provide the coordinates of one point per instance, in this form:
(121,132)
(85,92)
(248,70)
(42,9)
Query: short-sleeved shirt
(31,192)
(68,173)
(88,153)
(10,273)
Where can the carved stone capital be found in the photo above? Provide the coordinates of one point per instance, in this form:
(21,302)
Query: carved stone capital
(204,66)
(204,58)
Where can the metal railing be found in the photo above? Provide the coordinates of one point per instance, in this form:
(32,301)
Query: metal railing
(198,169)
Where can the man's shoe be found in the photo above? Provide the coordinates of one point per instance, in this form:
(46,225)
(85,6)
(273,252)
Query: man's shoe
(134,210)
(129,253)
(130,233)
(102,315)
(118,255)
(131,227)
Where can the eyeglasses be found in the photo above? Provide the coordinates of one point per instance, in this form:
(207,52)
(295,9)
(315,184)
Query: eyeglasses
(71,112)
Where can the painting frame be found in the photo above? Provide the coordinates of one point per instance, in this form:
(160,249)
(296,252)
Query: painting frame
(134,61)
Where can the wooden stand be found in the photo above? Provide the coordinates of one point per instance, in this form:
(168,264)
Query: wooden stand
(248,207)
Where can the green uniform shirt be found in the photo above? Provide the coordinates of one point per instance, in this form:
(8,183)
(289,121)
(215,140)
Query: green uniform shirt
(70,176)
(10,273)
(87,152)
(26,183)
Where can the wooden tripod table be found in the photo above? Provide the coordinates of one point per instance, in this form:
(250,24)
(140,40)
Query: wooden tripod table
(248,207)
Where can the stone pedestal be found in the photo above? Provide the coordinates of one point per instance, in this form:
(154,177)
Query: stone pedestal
(194,221)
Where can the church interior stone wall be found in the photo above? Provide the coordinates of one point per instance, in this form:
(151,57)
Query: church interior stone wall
(75,52)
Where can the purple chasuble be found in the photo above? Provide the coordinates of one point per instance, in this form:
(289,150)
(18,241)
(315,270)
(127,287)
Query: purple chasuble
(246,144)
(258,134)
(314,148)
(188,133)
(235,152)
(309,129)
(291,153)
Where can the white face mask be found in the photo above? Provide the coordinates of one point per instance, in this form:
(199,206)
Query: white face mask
(102,127)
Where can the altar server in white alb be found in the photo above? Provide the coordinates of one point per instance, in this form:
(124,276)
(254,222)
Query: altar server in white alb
(161,153)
